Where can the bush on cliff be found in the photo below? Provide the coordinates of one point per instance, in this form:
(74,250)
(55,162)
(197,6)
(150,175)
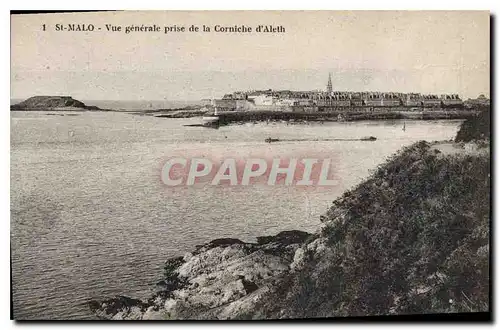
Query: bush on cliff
(413,238)
(475,128)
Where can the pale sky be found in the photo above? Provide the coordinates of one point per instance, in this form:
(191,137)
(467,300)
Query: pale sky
(405,51)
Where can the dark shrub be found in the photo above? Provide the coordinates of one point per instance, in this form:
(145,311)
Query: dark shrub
(475,128)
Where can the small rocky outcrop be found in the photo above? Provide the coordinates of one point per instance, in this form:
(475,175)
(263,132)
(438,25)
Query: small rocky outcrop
(39,103)
(220,279)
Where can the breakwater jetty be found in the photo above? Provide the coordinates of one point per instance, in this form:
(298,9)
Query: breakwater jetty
(271,140)
(226,118)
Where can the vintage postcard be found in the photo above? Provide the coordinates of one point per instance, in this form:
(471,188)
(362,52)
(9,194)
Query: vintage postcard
(250,165)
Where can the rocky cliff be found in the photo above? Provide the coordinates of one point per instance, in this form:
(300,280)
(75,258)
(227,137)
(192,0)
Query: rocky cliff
(219,279)
(413,238)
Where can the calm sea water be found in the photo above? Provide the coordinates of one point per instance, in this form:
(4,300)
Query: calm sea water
(90,217)
(139,104)
(133,105)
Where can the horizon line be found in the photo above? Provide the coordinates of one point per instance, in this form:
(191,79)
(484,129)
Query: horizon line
(485,94)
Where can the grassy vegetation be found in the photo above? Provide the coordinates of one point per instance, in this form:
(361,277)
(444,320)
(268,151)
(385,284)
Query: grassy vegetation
(413,238)
(475,128)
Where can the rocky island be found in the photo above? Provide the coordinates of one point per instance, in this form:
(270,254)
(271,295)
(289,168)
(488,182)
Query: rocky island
(413,238)
(52,103)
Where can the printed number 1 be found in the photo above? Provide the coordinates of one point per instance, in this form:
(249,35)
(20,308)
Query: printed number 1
(43,27)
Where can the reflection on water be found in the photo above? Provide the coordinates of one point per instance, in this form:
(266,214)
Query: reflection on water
(90,217)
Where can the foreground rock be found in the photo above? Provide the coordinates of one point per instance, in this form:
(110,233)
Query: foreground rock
(40,103)
(222,279)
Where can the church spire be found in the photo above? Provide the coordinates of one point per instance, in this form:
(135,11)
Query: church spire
(329,87)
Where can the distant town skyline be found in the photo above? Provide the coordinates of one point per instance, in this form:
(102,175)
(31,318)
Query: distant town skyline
(418,51)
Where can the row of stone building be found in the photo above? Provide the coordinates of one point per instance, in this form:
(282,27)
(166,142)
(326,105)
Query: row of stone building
(344,99)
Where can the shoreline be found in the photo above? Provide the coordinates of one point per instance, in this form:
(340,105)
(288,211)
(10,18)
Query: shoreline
(293,115)
(387,231)
(286,275)
(340,116)
(348,115)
